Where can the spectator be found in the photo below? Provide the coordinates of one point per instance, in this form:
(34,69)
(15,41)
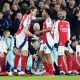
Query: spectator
(15,9)
(9,41)
(3,23)
(40,8)
(24,7)
(55,8)
(6,15)
(32,2)
(48,2)
(77,24)
(6,7)
(14,28)
(70,14)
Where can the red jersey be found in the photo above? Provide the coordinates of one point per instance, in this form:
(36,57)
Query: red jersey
(25,22)
(49,36)
(63,31)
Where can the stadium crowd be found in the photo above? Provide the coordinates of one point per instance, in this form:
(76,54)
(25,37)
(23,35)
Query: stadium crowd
(39,37)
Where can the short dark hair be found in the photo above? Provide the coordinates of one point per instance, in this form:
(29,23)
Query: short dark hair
(48,11)
(30,8)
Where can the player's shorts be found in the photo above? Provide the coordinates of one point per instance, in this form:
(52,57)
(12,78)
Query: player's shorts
(45,48)
(61,50)
(21,43)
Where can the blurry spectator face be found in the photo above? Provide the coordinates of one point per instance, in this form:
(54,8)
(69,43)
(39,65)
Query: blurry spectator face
(57,7)
(14,7)
(41,5)
(34,12)
(32,2)
(24,6)
(59,2)
(54,1)
(46,6)
(78,15)
(60,15)
(6,7)
(71,3)
(1,15)
(10,0)
(64,3)
(6,34)
(48,2)
(19,16)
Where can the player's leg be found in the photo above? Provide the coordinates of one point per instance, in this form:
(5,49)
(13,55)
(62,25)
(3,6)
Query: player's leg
(16,59)
(50,63)
(24,57)
(42,57)
(60,59)
(47,53)
(69,61)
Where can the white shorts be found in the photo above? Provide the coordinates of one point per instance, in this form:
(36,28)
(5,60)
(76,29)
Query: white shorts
(19,41)
(45,48)
(61,50)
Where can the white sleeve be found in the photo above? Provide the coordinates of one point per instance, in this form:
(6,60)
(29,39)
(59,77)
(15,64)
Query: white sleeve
(48,23)
(56,34)
(69,32)
(26,22)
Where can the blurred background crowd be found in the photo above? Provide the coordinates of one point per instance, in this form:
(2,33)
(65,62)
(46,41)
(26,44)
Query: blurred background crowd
(11,12)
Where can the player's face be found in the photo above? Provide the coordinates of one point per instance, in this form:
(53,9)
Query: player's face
(60,15)
(34,12)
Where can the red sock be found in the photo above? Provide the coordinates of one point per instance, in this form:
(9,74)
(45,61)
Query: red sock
(46,66)
(69,63)
(51,69)
(23,62)
(60,63)
(16,60)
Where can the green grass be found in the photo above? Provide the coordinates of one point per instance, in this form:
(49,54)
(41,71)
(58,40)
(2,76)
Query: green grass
(40,78)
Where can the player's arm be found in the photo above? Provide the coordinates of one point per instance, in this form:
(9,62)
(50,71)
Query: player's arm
(26,31)
(48,26)
(46,30)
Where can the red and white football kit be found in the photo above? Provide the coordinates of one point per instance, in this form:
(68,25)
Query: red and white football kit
(22,41)
(62,35)
(21,37)
(48,43)
(47,38)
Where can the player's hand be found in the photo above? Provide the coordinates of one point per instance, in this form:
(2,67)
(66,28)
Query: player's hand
(37,38)
(37,32)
